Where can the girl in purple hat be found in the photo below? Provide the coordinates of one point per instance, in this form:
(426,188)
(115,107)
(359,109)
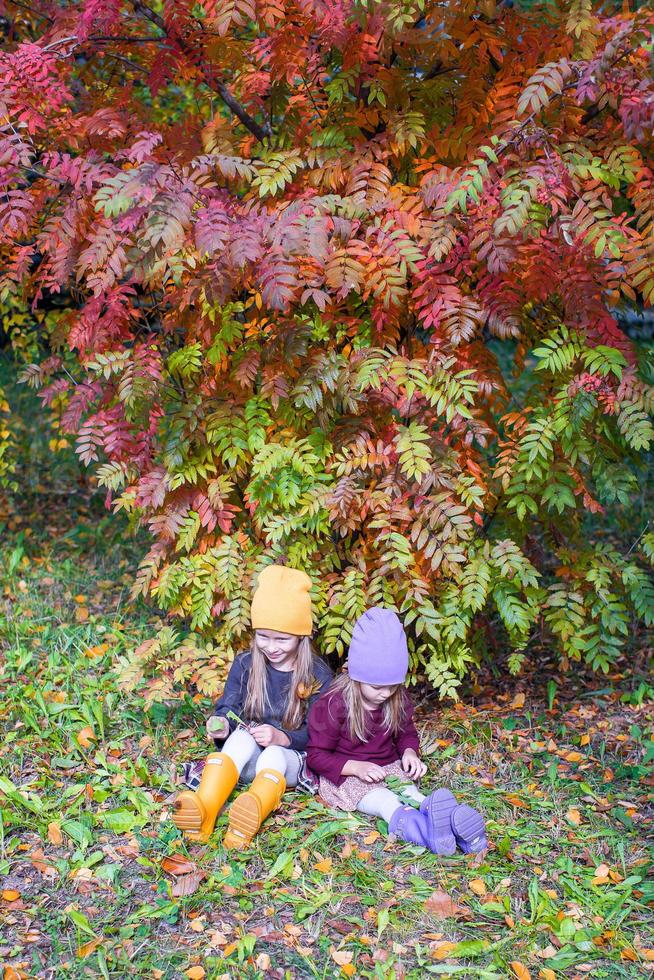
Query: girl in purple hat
(362,730)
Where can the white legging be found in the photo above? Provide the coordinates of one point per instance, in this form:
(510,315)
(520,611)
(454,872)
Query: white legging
(383,802)
(249,758)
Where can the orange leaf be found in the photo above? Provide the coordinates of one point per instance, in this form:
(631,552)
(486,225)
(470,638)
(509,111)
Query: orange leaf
(573,756)
(88,948)
(628,954)
(86,737)
(573,816)
(521,972)
(372,837)
(81,614)
(519,700)
(177,864)
(324,866)
(55,835)
(441,905)
(196,973)
(10,895)
(477,886)
(443,950)
(647,954)
(349,969)
(546,974)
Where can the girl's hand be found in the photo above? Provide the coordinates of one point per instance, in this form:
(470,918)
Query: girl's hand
(412,764)
(217,727)
(265,735)
(369,772)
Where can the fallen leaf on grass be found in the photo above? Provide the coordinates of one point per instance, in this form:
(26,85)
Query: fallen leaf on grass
(262,962)
(573,816)
(441,905)
(520,971)
(546,974)
(10,895)
(187,884)
(86,737)
(55,835)
(177,864)
(477,886)
(349,969)
(341,956)
(10,974)
(196,973)
(629,955)
(519,700)
(81,614)
(372,837)
(647,954)
(324,866)
(441,951)
(88,948)
(601,875)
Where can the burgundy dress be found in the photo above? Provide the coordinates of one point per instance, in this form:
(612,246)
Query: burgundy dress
(331,746)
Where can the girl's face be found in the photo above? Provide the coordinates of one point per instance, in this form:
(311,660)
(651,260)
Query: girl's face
(373,694)
(279,649)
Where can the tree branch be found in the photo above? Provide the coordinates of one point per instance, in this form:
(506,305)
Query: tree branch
(261,132)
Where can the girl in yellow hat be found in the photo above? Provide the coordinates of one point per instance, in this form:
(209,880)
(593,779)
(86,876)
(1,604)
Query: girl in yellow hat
(271,687)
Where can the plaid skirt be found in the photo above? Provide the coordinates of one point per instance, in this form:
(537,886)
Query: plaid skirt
(192,774)
(349,794)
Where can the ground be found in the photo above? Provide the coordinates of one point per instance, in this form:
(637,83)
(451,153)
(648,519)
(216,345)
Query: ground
(96,881)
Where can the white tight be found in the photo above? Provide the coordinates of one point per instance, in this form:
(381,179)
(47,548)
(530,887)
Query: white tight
(250,759)
(382,802)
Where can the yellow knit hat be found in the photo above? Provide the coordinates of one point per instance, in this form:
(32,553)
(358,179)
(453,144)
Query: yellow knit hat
(282,602)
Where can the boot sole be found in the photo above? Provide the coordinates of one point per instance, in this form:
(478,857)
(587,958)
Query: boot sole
(469,829)
(439,808)
(187,815)
(244,820)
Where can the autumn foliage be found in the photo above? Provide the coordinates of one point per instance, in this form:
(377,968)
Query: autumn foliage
(287,255)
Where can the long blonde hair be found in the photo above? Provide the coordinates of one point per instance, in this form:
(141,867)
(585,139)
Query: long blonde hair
(358,715)
(302,685)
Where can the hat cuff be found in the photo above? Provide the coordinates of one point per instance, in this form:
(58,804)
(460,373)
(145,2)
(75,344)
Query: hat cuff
(377,680)
(281,624)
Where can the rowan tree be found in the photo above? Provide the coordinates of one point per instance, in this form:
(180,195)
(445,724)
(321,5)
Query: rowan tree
(287,255)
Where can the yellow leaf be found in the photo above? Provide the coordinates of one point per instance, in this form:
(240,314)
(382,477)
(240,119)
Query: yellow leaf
(477,886)
(628,954)
(55,835)
(573,756)
(520,971)
(86,736)
(198,925)
(349,969)
(10,895)
(519,700)
(585,740)
(196,973)
(324,866)
(647,954)
(372,837)
(341,956)
(573,816)
(546,974)
(81,614)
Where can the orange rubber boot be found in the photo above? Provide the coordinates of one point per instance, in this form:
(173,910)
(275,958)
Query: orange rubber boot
(195,813)
(250,809)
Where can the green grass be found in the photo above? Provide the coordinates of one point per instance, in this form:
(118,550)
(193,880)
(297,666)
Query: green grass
(87,782)
(85,826)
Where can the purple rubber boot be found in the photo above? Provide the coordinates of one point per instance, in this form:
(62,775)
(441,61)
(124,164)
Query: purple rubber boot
(469,829)
(438,808)
(414,826)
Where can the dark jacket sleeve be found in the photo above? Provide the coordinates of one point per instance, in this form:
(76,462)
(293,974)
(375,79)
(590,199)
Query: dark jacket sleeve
(323,676)
(233,696)
(326,720)
(408,737)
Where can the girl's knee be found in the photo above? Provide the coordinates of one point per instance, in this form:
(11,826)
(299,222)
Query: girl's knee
(272,757)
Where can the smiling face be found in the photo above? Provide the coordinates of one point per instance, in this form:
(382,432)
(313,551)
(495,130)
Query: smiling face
(373,695)
(279,649)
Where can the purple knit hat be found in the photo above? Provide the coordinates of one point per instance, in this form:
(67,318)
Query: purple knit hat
(378,650)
